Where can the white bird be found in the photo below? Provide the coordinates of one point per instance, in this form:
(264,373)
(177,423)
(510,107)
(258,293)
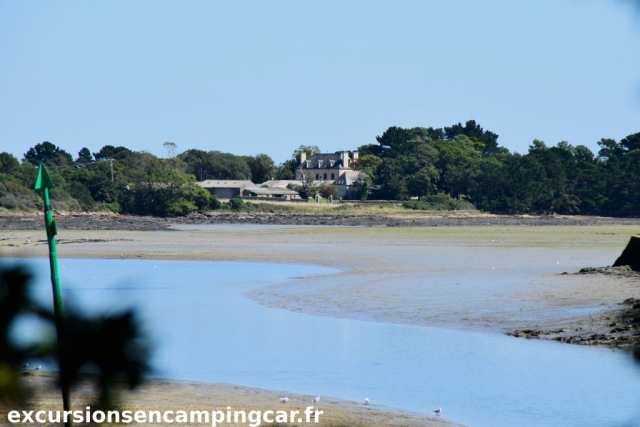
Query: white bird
(25,366)
(366,400)
(316,399)
(37,368)
(284,399)
(438,411)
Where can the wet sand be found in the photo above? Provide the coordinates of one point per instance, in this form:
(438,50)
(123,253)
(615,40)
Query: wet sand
(492,278)
(167,395)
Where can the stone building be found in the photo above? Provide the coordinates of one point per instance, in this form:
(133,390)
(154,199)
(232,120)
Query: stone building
(334,168)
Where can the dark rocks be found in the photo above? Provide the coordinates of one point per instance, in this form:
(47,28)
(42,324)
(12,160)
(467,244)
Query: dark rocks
(623,271)
(101,221)
(631,255)
(622,332)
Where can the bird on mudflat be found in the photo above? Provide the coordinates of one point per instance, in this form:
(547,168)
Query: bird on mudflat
(438,411)
(316,399)
(37,368)
(284,399)
(366,400)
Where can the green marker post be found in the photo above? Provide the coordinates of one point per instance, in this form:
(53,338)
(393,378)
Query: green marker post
(44,183)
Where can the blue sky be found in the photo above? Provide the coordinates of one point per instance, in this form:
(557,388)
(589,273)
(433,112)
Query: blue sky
(266,76)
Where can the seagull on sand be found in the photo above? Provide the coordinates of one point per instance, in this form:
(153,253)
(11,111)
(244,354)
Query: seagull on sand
(316,399)
(37,368)
(438,411)
(366,400)
(284,399)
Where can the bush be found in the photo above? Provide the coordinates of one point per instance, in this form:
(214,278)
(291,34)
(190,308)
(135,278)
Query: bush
(200,197)
(181,207)
(214,203)
(237,203)
(439,202)
(112,207)
(81,193)
(327,190)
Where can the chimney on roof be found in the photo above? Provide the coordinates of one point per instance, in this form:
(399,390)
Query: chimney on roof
(344,156)
(355,155)
(303,156)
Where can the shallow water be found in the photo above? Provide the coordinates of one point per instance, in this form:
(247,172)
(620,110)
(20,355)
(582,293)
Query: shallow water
(205,329)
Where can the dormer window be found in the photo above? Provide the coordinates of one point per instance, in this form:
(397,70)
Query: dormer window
(331,163)
(319,163)
(308,163)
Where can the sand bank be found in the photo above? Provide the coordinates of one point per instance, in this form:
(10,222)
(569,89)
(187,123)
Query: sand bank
(165,395)
(496,278)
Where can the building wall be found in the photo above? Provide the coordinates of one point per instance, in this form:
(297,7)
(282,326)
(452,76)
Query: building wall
(315,173)
(225,193)
(348,192)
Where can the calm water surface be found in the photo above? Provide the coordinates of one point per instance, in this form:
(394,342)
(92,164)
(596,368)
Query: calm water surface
(205,329)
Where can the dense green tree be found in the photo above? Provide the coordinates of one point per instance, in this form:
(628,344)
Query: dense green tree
(262,167)
(369,164)
(631,142)
(84,156)
(215,165)
(49,154)
(8,163)
(458,165)
(110,152)
(286,170)
(485,141)
(407,166)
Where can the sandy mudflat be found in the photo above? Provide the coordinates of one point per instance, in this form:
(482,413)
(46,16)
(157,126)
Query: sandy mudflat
(488,278)
(166,395)
(497,278)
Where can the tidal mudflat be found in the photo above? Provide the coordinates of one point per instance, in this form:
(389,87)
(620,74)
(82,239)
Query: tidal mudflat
(493,279)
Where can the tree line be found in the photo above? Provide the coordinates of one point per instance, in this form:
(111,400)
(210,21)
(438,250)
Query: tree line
(465,162)
(458,163)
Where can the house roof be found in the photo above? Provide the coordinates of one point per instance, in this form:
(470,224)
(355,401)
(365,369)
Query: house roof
(271,191)
(227,184)
(349,177)
(280,183)
(323,161)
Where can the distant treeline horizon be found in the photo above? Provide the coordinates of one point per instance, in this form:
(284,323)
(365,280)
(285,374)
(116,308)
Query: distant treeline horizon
(463,162)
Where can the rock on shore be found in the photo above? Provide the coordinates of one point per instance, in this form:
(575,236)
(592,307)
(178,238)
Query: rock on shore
(101,221)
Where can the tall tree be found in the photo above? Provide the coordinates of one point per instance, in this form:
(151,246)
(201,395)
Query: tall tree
(49,153)
(111,152)
(631,142)
(8,163)
(171,148)
(485,141)
(262,167)
(84,156)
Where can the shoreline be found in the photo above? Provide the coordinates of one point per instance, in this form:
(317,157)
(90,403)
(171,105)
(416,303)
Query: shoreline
(554,303)
(109,221)
(158,394)
(399,274)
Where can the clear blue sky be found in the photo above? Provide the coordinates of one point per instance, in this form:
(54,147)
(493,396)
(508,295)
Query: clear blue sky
(266,76)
